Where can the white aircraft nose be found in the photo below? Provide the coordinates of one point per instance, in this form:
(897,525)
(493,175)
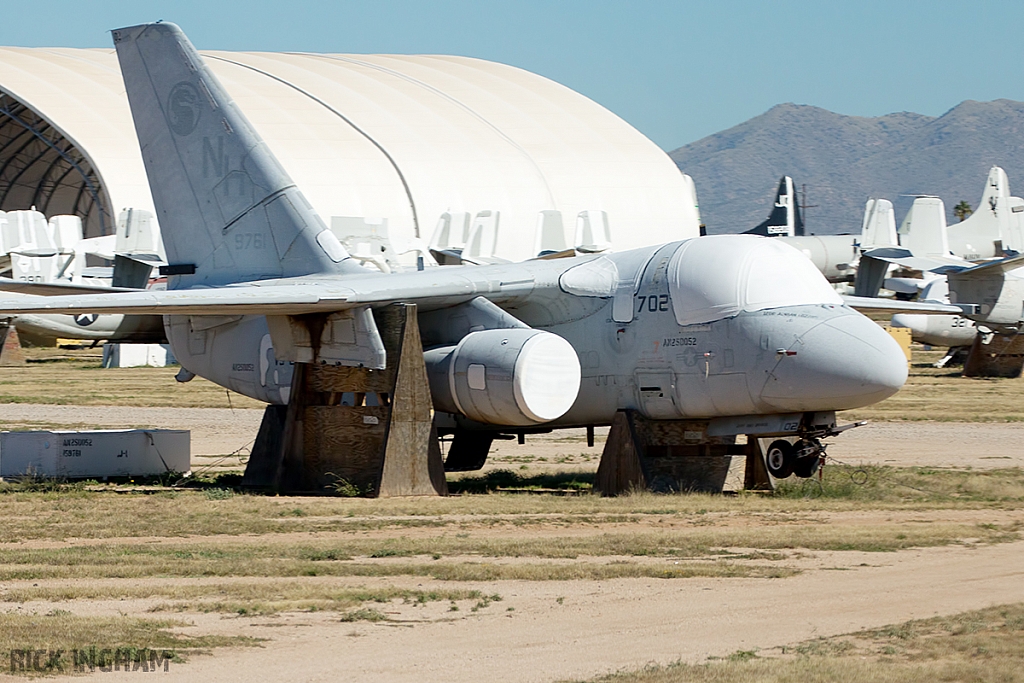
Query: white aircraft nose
(845,362)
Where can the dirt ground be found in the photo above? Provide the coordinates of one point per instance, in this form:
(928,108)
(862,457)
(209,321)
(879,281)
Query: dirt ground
(222,431)
(606,626)
(553,630)
(556,630)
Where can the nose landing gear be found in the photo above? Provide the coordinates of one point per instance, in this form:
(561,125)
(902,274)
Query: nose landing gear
(802,458)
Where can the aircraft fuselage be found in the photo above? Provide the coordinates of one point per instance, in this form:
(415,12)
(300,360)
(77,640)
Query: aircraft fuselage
(622,315)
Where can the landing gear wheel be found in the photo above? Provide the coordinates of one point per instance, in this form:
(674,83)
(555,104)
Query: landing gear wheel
(806,457)
(806,466)
(780,458)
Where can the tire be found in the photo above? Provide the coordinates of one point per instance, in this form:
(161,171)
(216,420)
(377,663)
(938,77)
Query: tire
(779,459)
(806,467)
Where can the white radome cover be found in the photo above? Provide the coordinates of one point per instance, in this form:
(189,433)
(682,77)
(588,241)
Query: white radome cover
(466,134)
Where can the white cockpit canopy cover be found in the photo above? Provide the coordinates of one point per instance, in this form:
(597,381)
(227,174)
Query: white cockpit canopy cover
(719,276)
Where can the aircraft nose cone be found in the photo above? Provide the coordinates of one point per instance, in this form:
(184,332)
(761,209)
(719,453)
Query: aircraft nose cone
(845,362)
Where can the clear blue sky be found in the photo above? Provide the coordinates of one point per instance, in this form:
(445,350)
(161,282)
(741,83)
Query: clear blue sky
(676,70)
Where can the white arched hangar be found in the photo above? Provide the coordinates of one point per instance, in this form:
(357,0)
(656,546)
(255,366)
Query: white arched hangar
(400,147)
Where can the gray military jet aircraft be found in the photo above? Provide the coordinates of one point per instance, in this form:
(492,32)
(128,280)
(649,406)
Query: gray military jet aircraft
(726,326)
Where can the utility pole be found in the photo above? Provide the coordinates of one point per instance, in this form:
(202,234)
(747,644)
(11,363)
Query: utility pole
(804,205)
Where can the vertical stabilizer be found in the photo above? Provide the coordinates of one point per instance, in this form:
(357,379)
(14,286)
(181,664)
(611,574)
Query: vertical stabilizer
(785,219)
(923,230)
(879,227)
(997,188)
(227,209)
(987,231)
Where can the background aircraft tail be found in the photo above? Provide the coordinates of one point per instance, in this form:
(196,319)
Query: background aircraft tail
(228,211)
(879,227)
(785,219)
(986,232)
(923,230)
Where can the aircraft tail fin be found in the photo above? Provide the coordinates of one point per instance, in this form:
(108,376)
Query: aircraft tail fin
(879,227)
(923,230)
(988,229)
(997,187)
(785,219)
(228,211)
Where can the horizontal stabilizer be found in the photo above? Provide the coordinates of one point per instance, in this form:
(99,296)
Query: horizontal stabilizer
(991,268)
(906,259)
(864,303)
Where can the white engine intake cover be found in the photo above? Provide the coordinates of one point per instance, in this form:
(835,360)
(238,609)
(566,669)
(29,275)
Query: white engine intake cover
(515,377)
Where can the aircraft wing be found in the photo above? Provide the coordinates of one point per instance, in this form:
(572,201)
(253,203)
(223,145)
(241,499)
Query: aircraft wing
(299,296)
(282,299)
(54,288)
(864,303)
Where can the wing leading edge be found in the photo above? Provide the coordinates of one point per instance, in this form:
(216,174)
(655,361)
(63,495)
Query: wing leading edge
(876,305)
(300,296)
(287,299)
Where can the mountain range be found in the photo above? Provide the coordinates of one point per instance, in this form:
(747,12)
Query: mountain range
(843,160)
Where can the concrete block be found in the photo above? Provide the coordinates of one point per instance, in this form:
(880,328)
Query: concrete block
(137,355)
(95,454)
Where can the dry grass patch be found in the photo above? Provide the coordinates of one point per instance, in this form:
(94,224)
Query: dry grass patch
(59,512)
(593,571)
(353,556)
(45,644)
(924,486)
(123,563)
(75,377)
(985,645)
(264,597)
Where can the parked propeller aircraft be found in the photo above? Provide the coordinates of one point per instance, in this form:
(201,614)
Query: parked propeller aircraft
(49,257)
(928,245)
(785,219)
(722,328)
(836,256)
(989,295)
(996,228)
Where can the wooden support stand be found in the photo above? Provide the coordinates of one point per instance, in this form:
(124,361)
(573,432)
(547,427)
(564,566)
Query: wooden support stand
(755,475)
(10,348)
(671,455)
(383,444)
(1003,356)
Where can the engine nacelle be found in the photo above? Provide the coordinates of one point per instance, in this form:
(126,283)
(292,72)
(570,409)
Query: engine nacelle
(517,377)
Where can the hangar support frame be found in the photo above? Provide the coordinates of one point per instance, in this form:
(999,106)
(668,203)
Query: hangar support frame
(40,166)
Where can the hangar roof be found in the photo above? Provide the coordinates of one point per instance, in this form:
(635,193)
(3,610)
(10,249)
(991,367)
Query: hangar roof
(404,138)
